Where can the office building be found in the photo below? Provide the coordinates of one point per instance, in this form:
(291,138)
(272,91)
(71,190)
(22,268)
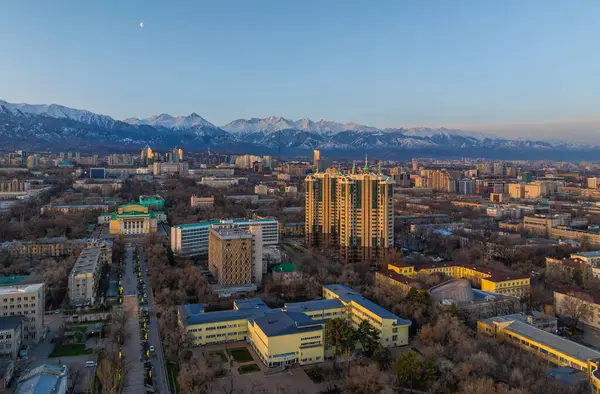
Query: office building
(11,336)
(133,219)
(356,210)
(293,334)
(29,302)
(85,276)
(45,379)
(235,255)
(192,239)
(176,155)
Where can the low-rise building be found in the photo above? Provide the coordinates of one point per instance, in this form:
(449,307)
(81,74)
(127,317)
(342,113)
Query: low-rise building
(85,276)
(50,247)
(293,334)
(11,335)
(74,208)
(221,182)
(584,304)
(47,378)
(132,219)
(202,202)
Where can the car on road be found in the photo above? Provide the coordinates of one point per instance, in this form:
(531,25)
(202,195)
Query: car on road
(91,364)
(152,348)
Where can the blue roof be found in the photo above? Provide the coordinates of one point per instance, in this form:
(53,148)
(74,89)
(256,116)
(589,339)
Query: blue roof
(229,221)
(45,379)
(347,295)
(219,316)
(190,310)
(310,306)
(250,303)
(284,323)
(567,375)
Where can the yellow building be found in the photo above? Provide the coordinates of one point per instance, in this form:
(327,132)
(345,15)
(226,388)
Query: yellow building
(355,209)
(556,350)
(146,153)
(501,282)
(132,219)
(294,333)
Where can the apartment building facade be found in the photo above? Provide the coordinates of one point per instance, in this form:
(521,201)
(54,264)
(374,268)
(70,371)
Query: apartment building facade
(11,335)
(235,255)
(27,301)
(85,276)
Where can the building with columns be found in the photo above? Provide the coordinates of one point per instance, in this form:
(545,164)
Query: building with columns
(132,219)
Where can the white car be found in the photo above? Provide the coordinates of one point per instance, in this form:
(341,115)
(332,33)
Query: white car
(152,348)
(91,364)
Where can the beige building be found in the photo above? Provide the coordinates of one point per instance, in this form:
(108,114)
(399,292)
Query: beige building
(235,255)
(592,183)
(85,276)
(440,180)
(202,202)
(569,300)
(542,224)
(355,209)
(516,190)
(566,233)
(27,301)
(170,168)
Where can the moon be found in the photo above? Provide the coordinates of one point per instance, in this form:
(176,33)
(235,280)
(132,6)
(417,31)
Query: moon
(142,25)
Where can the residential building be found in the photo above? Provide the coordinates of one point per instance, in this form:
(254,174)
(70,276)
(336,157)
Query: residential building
(516,190)
(316,159)
(293,334)
(29,302)
(542,224)
(567,233)
(356,210)
(465,186)
(85,276)
(132,219)
(235,255)
(50,247)
(34,161)
(159,168)
(440,180)
(221,182)
(192,239)
(202,202)
(146,154)
(557,350)
(45,379)
(593,183)
(74,208)
(11,335)
(14,186)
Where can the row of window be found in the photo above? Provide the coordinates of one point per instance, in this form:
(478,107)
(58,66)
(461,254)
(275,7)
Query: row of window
(18,306)
(18,299)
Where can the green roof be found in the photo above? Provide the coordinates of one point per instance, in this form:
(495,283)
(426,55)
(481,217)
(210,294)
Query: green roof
(225,221)
(115,215)
(11,280)
(285,267)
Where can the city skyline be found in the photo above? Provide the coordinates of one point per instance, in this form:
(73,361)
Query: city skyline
(504,68)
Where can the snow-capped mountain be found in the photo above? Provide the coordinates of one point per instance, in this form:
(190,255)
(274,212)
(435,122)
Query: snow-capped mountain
(57,127)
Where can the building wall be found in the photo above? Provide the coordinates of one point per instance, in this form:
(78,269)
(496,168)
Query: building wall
(230,260)
(561,301)
(29,301)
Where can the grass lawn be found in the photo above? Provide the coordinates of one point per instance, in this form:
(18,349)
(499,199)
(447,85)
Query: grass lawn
(248,368)
(220,354)
(240,354)
(69,350)
(172,372)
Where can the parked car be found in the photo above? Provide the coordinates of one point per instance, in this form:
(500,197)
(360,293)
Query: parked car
(91,364)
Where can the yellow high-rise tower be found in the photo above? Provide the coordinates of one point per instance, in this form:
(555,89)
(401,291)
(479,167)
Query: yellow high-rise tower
(355,209)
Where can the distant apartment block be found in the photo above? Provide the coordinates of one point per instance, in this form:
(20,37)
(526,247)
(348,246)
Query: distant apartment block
(11,335)
(75,208)
(593,183)
(85,276)
(202,202)
(29,302)
(159,168)
(192,239)
(50,247)
(221,182)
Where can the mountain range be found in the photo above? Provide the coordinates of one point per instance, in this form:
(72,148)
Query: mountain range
(58,127)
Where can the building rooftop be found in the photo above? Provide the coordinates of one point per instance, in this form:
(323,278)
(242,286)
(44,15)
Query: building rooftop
(14,289)
(595,253)
(561,344)
(218,316)
(231,233)
(569,376)
(224,221)
(284,267)
(594,295)
(284,323)
(250,303)
(311,306)
(10,322)
(495,275)
(45,379)
(87,262)
(347,295)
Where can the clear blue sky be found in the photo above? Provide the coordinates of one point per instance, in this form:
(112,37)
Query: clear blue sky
(382,63)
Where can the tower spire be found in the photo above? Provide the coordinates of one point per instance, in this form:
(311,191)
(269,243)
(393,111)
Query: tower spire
(353,167)
(366,167)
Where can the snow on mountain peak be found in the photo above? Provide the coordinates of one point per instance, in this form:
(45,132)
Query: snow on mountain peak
(172,122)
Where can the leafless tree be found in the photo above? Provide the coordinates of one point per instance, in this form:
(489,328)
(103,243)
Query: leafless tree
(576,306)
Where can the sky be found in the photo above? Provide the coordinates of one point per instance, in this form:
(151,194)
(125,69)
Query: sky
(515,68)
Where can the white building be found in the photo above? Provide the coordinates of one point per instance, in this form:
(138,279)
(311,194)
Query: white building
(192,239)
(221,182)
(85,276)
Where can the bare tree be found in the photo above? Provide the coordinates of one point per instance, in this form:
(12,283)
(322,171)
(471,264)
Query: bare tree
(112,372)
(576,306)
(195,377)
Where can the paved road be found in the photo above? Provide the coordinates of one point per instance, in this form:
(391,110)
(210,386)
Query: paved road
(132,347)
(161,384)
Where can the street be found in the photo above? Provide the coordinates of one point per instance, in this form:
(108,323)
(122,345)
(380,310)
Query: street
(161,384)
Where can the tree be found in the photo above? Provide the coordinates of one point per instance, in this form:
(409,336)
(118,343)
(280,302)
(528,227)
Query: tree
(576,306)
(112,372)
(195,377)
(340,334)
(367,380)
(412,371)
(368,336)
